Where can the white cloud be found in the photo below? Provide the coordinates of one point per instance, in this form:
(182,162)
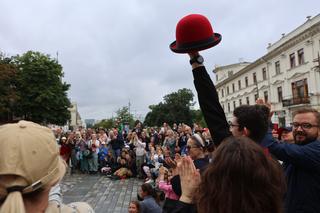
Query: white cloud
(113,52)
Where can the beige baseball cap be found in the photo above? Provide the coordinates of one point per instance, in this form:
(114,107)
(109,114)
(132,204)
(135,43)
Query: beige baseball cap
(29,155)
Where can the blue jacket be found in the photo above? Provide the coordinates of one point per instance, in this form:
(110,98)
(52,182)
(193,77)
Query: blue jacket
(302,168)
(149,205)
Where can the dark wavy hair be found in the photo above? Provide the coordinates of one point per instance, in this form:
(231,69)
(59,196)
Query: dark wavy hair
(255,118)
(241,179)
(148,188)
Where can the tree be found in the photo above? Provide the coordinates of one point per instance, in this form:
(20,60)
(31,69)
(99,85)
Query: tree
(43,95)
(8,94)
(198,118)
(174,109)
(122,117)
(105,123)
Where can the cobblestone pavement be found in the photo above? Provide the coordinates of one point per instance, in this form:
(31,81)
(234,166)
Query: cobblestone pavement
(102,193)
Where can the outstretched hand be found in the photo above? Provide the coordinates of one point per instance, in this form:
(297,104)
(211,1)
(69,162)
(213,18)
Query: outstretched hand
(193,54)
(260,101)
(189,179)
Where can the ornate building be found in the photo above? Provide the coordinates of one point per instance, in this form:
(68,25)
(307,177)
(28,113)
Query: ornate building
(287,76)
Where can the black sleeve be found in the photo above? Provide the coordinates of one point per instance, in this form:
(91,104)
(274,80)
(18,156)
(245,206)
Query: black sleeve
(176,186)
(182,207)
(210,105)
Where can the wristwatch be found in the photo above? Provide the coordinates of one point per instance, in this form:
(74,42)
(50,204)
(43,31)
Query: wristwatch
(197,59)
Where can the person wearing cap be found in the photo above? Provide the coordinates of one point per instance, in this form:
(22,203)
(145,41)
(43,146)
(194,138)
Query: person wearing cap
(30,165)
(286,135)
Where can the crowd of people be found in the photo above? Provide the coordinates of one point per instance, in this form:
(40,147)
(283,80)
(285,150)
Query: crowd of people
(241,166)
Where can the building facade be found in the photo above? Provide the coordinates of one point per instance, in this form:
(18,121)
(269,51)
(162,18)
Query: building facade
(287,76)
(75,120)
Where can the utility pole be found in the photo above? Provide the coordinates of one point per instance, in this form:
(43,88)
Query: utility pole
(129,105)
(57,57)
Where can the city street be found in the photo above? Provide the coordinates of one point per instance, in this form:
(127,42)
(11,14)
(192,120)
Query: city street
(102,193)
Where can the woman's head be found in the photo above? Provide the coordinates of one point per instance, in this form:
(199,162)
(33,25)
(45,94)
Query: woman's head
(242,176)
(170,133)
(30,163)
(134,207)
(196,147)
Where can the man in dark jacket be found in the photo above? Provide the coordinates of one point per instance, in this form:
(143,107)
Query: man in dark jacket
(301,162)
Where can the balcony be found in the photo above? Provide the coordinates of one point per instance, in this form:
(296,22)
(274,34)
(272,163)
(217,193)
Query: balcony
(295,101)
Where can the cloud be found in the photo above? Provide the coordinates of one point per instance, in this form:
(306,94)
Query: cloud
(113,52)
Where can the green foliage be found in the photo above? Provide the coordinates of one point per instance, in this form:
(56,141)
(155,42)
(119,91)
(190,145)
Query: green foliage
(198,118)
(43,95)
(174,109)
(8,95)
(105,123)
(122,117)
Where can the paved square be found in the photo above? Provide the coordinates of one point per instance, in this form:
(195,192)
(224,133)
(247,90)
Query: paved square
(102,193)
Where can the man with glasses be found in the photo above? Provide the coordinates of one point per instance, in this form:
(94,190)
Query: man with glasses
(301,161)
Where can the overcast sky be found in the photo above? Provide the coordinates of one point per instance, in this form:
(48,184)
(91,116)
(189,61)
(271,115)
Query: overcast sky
(114,51)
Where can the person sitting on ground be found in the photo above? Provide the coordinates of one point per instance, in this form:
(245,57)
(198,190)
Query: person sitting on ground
(109,164)
(240,179)
(30,165)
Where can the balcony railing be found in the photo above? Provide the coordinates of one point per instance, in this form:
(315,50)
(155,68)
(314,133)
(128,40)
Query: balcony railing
(295,101)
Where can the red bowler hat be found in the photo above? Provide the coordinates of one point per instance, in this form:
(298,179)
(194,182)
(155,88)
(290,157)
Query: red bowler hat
(194,33)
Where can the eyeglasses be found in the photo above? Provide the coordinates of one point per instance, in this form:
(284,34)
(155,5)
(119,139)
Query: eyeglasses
(303,126)
(190,147)
(231,124)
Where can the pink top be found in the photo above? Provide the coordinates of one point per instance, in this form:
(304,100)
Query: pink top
(167,189)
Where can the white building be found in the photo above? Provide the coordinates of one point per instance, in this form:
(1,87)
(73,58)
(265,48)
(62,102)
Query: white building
(288,76)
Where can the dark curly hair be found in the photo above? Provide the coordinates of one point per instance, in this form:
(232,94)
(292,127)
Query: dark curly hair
(241,179)
(255,118)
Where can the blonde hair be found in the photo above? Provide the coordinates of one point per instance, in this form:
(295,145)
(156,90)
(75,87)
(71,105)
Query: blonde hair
(13,203)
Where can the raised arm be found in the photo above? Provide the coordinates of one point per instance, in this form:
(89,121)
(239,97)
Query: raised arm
(209,102)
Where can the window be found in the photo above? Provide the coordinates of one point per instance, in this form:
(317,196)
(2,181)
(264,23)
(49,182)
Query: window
(222,93)
(254,78)
(300,89)
(234,104)
(228,107)
(228,92)
(300,92)
(239,84)
(240,102)
(277,66)
(247,100)
(246,80)
(256,96)
(233,89)
(264,73)
(279,89)
(292,60)
(217,77)
(265,94)
(300,56)
(222,106)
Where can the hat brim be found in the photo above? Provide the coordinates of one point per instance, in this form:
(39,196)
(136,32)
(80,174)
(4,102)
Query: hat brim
(62,169)
(196,46)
